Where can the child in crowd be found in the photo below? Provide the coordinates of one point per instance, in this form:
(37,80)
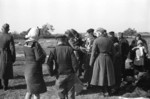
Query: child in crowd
(139,60)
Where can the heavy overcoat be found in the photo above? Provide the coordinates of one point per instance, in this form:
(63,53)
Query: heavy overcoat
(63,63)
(101,59)
(34,58)
(7,56)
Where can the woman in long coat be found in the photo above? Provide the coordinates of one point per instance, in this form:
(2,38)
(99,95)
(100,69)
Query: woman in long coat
(7,56)
(34,58)
(101,59)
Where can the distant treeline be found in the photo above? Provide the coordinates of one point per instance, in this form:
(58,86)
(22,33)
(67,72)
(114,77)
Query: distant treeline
(44,33)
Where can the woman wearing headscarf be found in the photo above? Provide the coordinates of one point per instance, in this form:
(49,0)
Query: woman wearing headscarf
(101,60)
(75,41)
(132,53)
(7,56)
(34,58)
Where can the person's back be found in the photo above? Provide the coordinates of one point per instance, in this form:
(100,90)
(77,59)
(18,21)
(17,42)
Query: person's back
(101,61)
(104,44)
(5,40)
(64,62)
(7,56)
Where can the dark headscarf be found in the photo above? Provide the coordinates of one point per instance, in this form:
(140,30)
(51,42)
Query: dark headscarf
(69,33)
(90,30)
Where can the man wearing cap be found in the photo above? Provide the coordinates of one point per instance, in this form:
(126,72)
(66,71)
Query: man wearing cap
(7,56)
(63,64)
(101,61)
(112,37)
(88,44)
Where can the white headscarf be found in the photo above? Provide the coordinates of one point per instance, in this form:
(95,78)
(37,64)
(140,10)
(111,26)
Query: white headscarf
(32,34)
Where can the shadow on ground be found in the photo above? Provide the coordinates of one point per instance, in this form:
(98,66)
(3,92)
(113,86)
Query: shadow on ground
(20,86)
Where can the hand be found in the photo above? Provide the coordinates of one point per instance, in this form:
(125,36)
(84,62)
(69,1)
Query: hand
(83,49)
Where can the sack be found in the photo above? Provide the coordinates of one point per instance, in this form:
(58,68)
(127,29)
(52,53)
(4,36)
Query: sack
(128,63)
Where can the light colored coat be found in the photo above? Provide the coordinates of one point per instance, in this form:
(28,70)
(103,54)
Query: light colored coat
(101,60)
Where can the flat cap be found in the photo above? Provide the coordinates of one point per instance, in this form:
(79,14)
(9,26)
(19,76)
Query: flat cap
(111,33)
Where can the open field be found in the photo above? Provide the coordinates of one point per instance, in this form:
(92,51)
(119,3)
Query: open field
(18,87)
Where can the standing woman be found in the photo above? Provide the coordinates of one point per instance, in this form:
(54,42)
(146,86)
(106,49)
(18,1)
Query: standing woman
(34,58)
(7,56)
(101,59)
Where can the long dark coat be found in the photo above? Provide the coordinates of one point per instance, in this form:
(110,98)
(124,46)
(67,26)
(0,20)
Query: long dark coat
(34,58)
(7,56)
(103,70)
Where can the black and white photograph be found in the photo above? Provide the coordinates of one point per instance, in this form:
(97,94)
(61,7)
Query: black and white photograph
(74,49)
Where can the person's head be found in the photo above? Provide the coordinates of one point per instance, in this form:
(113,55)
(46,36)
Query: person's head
(90,31)
(69,34)
(5,28)
(101,31)
(116,47)
(138,37)
(33,34)
(111,33)
(139,43)
(120,34)
(75,33)
(61,39)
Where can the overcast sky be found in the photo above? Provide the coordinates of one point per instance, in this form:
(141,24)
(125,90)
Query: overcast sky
(113,15)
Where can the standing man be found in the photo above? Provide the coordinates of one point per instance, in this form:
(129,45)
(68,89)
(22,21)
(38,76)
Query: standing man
(7,56)
(124,47)
(88,45)
(113,37)
(65,62)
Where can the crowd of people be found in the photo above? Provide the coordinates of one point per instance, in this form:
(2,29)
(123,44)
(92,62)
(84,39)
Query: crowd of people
(100,59)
